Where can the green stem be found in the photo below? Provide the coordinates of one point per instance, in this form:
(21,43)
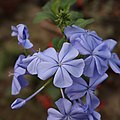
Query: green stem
(25,51)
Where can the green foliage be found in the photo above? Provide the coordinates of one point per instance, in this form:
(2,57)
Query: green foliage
(60,43)
(62,19)
(47,6)
(65,4)
(52,10)
(75,15)
(57,43)
(83,22)
(55,6)
(42,16)
(59,12)
(53,91)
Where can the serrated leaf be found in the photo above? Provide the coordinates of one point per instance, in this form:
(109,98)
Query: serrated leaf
(83,23)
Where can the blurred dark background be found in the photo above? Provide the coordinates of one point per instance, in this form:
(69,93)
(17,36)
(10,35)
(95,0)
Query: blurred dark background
(12,12)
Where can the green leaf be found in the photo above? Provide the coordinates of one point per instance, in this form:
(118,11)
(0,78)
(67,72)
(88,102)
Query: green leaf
(55,42)
(76,15)
(55,6)
(41,16)
(60,43)
(47,6)
(53,91)
(65,4)
(83,23)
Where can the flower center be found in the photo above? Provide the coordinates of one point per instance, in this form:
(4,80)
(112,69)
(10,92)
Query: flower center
(60,64)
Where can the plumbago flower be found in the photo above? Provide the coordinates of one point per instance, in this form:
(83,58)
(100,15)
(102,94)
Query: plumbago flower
(22,34)
(33,61)
(67,71)
(75,111)
(114,63)
(67,111)
(89,110)
(114,60)
(91,45)
(80,88)
(19,81)
(61,64)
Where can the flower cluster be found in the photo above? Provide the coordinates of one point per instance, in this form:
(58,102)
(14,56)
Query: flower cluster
(77,69)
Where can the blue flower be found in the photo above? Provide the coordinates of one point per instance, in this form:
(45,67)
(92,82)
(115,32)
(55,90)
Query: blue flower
(83,40)
(61,64)
(19,81)
(90,44)
(33,62)
(67,111)
(80,88)
(114,63)
(22,34)
(18,103)
(114,60)
(96,62)
(89,110)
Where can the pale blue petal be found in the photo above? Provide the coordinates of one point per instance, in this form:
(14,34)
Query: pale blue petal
(27,44)
(90,42)
(20,71)
(70,30)
(46,69)
(96,115)
(32,67)
(17,84)
(14,33)
(115,58)
(64,106)
(79,42)
(92,100)
(54,114)
(18,103)
(90,117)
(89,66)
(101,65)
(114,67)
(94,39)
(67,52)
(114,63)
(23,31)
(62,78)
(46,58)
(102,51)
(51,52)
(95,81)
(110,43)
(14,28)
(75,67)
(29,58)
(19,60)
(77,89)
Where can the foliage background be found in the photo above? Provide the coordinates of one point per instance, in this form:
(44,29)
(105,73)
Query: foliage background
(12,12)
